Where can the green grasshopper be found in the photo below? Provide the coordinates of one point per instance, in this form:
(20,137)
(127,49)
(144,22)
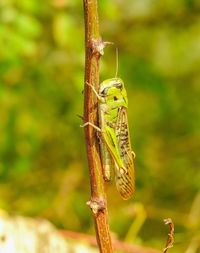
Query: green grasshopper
(115,147)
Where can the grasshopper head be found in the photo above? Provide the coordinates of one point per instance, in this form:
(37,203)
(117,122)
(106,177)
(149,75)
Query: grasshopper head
(113,90)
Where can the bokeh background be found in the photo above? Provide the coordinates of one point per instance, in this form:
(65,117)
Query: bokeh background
(43,167)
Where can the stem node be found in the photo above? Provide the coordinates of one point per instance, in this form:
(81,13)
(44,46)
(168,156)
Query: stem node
(96,205)
(97,47)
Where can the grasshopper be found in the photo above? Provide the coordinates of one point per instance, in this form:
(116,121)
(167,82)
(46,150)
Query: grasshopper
(116,152)
(115,147)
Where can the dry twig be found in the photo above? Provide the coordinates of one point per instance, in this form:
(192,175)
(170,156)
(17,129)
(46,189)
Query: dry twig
(170,239)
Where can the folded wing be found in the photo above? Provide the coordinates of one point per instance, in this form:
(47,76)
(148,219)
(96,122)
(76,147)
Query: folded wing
(125,175)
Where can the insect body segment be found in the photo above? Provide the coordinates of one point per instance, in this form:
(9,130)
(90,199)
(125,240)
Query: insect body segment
(116,152)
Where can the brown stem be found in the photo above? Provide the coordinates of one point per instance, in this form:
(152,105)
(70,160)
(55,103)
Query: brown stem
(118,245)
(93,50)
(170,239)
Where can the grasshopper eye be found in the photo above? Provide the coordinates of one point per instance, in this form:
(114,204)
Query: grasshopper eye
(104,91)
(115,98)
(118,86)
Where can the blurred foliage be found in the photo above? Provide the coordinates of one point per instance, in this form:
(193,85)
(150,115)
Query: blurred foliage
(43,168)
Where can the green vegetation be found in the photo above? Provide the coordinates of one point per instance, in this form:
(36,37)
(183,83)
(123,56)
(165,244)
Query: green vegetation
(43,169)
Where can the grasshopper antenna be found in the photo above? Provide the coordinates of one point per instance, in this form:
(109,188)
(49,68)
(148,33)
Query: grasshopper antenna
(116,71)
(111,43)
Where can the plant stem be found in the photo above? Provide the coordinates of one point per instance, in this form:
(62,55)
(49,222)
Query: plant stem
(93,50)
(117,245)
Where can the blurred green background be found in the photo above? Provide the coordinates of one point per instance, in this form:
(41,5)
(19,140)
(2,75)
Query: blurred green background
(43,167)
